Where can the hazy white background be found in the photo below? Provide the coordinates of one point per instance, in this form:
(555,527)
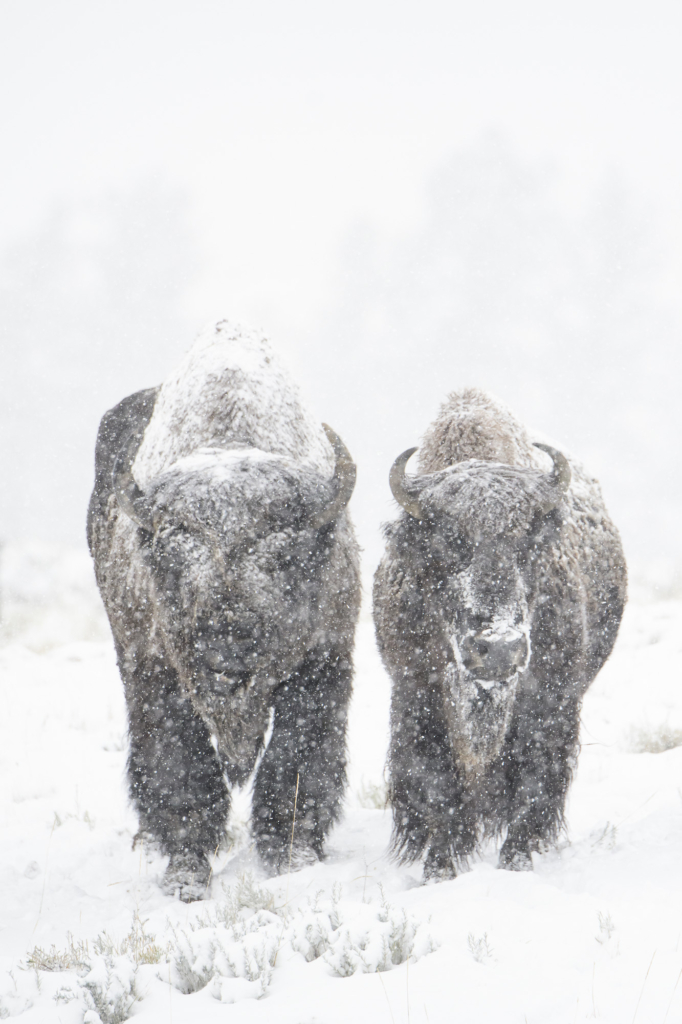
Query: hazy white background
(408,197)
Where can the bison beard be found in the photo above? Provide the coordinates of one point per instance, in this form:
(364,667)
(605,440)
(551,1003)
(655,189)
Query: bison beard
(229,572)
(497,602)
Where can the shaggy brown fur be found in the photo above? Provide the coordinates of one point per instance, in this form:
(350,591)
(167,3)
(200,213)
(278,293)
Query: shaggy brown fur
(232,605)
(495,607)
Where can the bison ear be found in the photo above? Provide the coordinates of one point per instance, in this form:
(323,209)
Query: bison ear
(405,491)
(130,498)
(342,483)
(560,478)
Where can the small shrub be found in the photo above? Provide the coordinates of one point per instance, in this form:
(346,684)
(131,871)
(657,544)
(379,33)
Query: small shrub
(109,988)
(107,971)
(378,939)
(235,946)
(237,939)
(606,928)
(140,947)
(20,996)
(85,818)
(479,948)
(232,949)
(75,957)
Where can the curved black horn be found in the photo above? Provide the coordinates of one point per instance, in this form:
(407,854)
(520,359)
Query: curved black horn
(400,488)
(561,475)
(345,473)
(128,495)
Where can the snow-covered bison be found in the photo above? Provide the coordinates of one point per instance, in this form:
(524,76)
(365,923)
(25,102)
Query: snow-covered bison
(497,602)
(229,572)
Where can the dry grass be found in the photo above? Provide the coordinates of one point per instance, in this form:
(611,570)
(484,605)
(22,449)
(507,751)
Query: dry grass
(140,947)
(75,957)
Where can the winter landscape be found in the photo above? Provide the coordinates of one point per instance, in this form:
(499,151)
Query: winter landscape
(407,200)
(593,933)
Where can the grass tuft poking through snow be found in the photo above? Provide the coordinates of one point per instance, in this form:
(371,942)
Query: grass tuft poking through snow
(606,928)
(231,948)
(105,985)
(235,946)
(138,946)
(479,948)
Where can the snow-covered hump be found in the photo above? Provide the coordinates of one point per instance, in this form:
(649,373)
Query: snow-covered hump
(230,391)
(471,424)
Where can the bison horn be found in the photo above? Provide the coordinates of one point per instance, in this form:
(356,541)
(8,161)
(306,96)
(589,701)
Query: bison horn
(403,492)
(128,495)
(560,478)
(345,473)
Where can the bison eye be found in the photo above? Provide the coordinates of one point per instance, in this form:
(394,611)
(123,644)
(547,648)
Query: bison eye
(462,551)
(170,529)
(536,524)
(539,534)
(451,553)
(541,529)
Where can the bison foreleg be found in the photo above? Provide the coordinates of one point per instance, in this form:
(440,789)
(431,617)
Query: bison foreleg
(539,757)
(176,781)
(304,764)
(431,810)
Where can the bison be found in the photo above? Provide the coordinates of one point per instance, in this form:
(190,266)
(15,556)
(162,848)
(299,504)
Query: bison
(496,603)
(229,571)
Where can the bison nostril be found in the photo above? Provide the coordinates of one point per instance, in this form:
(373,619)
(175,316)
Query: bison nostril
(494,659)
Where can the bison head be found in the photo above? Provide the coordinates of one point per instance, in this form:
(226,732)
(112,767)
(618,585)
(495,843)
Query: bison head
(239,545)
(476,535)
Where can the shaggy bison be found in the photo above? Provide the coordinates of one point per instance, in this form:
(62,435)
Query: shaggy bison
(229,572)
(497,602)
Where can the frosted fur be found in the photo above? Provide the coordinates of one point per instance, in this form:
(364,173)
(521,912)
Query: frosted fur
(472,425)
(230,389)
(230,604)
(492,618)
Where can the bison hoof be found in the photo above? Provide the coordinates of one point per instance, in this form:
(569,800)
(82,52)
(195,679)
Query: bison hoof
(280,862)
(515,860)
(146,841)
(438,869)
(187,877)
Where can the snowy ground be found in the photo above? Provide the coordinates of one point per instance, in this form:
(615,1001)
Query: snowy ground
(594,933)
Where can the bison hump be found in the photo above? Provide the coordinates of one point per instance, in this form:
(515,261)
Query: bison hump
(229,391)
(473,425)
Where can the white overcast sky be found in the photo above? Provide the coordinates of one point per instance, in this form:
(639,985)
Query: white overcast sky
(288,122)
(290,126)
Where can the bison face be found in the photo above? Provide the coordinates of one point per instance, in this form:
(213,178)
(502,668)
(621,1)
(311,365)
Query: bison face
(476,534)
(479,601)
(240,553)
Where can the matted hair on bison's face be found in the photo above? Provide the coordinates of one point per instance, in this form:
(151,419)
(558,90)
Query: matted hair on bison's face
(238,543)
(476,527)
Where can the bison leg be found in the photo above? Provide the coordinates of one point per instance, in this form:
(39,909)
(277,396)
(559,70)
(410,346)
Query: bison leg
(176,781)
(539,757)
(432,810)
(305,763)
